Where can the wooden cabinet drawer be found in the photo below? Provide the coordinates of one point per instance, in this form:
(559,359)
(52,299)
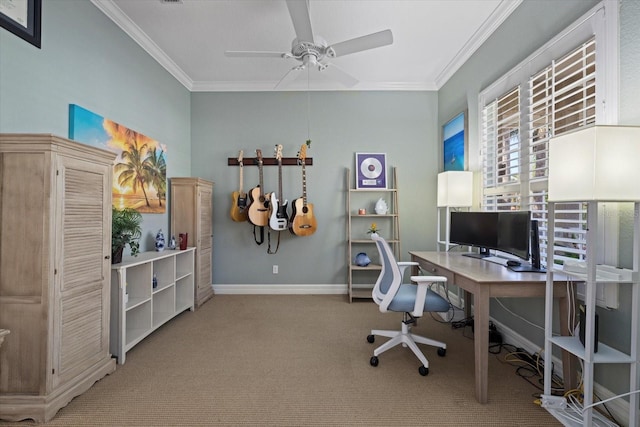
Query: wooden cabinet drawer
(435,270)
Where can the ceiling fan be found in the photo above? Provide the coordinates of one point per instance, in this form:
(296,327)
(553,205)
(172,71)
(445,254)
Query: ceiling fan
(313,52)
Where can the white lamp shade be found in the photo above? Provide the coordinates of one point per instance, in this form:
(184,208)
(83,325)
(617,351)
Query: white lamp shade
(597,163)
(455,189)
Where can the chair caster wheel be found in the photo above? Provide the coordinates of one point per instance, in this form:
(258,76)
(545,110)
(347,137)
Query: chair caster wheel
(373,361)
(442,352)
(371,338)
(423,371)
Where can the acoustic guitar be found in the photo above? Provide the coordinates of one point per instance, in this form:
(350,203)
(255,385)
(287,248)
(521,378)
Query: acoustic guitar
(239,198)
(303,223)
(278,219)
(259,202)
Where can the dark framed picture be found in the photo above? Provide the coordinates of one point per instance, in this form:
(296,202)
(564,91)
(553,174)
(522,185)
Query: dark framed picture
(22,18)
(454,135)
(371,171)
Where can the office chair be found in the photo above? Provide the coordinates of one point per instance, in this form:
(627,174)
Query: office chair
(412,300)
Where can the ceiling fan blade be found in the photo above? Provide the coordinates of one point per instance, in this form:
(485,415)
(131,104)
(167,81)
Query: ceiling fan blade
(254,54)
(371,41)
(291,75)
(338,74)
(299,11)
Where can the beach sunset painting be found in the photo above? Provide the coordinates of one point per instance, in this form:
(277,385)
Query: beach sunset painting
(140,169)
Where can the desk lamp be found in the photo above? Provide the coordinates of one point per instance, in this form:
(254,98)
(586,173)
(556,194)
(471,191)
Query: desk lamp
(455,189)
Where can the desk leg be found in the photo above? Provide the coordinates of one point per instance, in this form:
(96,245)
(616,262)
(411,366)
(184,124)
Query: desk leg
(569,361)
(467,305)
(481,341)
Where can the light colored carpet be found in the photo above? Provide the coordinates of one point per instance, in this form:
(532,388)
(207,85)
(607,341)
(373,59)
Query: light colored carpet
(285,360)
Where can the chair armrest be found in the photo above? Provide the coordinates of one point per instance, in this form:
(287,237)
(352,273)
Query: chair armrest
(407,263)
(421,294)
(404,264)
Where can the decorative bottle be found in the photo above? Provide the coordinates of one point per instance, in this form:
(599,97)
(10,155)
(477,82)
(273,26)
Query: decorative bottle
(160,241)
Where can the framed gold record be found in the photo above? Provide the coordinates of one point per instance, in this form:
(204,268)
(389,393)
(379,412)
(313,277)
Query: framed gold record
(371,171)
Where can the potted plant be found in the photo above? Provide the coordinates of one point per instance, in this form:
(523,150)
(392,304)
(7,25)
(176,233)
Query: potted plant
(125,230)
(373,229)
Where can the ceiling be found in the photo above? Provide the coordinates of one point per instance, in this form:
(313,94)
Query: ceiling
(431,39)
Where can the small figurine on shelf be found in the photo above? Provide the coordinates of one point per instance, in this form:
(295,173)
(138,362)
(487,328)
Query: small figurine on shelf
(160,241)
(362,260)
(172,243)
(155,281)
(381,207)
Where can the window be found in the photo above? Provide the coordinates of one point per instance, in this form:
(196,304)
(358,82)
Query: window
(501,158)
(557,89)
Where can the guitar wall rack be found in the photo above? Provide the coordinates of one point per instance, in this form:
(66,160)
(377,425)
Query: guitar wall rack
(286,161)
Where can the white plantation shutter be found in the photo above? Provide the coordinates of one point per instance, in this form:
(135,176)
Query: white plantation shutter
(561,99)
(501,152)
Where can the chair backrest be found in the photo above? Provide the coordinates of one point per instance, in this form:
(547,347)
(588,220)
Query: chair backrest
(390,277)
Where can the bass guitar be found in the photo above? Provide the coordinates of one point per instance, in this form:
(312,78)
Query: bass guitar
(239,198)
(303,223)
(278,219)
(259,202)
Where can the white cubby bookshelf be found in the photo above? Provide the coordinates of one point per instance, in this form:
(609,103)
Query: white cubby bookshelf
(137,308)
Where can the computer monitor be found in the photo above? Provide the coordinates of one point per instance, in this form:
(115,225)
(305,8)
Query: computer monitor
(477,229)
(511,232)
(514,231)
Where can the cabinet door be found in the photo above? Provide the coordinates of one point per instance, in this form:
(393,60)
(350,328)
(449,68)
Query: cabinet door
(82,272)
(25,269)
(205,240)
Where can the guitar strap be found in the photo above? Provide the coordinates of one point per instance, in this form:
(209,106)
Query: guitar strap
(269,251)
(261,241)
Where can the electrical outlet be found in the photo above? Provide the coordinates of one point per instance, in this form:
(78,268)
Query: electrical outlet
(275,269)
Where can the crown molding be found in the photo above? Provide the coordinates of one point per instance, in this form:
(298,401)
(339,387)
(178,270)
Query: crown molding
(502,12)
(268,86)
(114,13)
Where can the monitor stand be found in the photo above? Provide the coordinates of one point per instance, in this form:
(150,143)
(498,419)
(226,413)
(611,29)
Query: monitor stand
(526,268)
(484,252)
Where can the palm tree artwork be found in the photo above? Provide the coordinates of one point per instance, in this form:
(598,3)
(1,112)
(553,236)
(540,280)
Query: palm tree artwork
(156,167)
(140,170)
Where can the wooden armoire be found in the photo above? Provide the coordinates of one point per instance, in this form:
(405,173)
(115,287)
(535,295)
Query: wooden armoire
(55,267)
(192,213)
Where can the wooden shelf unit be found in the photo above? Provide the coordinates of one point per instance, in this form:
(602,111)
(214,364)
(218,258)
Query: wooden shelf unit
(360,280)
(137,308)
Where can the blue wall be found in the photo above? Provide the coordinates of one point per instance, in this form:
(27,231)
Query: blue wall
(401,124)
(533,24)
(87,60)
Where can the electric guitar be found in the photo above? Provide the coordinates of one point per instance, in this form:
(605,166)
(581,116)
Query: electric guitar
(278,220)
(239,198)
(303,223)
(259,206)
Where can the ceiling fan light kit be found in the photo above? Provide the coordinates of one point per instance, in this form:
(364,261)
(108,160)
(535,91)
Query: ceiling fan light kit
(312,51)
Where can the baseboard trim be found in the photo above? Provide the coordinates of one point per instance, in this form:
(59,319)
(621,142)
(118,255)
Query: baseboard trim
(292,289)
